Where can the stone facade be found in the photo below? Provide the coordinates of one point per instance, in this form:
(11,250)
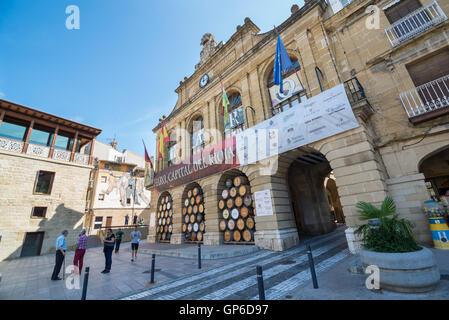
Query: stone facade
(381,157)
(65,205)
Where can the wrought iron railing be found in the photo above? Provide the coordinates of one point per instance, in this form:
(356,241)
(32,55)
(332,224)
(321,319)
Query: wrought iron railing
(429,97)
(354,90)
(416,22)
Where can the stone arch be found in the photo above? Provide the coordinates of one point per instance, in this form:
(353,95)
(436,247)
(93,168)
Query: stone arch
(435,151)
(164,219)
(193,231)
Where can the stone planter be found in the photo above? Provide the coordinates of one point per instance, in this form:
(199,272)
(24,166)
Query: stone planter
(404,272)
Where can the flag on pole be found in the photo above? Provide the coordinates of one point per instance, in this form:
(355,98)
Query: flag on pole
(163,139)
(149,170)
(282,63)
(225,103)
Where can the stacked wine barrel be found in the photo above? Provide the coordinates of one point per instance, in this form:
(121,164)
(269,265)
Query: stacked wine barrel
(164,216)
(193,223)
(236,205)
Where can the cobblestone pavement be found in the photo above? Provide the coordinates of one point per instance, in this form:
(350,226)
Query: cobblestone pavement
(282,272)
(29,278)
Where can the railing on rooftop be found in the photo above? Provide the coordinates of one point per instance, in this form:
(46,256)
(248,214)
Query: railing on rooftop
(415,23)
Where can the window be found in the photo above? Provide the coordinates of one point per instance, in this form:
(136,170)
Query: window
(128,200)
(197,135)
(101,196)
(41,136)
(38,212)
(172,149)
(104,179)
(402,9)
(290,103)
(44,182)
(236,120)
(13,130)
(98,222)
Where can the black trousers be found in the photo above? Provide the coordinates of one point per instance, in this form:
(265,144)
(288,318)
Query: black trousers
(117,244)
(58,264)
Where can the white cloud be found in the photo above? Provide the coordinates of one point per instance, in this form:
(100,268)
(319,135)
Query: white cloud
(2,95)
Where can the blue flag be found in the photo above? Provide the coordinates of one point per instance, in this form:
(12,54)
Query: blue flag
(282,63)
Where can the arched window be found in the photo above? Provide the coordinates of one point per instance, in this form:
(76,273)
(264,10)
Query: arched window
(235,121)
(197,133)
(293,94)
(172,150)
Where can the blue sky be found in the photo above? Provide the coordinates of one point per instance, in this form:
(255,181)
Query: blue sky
(119,71)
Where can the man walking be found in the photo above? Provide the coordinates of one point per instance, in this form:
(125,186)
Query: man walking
(80,250)
(61,247)
(109,242)
(135,236)
(118,239)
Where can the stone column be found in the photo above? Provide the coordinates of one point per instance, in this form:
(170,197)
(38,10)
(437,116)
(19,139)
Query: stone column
(213,235)
(177,237)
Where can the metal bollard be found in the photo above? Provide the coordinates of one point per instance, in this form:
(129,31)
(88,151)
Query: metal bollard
(199,255)
(312,267)
(153,262)
(86,280)
(260,283)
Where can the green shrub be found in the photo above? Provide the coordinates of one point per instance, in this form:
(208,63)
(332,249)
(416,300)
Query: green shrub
(390,234)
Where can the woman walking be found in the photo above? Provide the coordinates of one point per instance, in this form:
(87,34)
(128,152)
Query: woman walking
(109,241)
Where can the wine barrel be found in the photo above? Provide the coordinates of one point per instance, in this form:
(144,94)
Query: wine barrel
(225,194)
(198,199)
(195,209)
(170,213)
(170,228)
(164,206)
(231,224)
(203,226)
(186,202)
(192,201)
(189,209)
(184,227)
(199,217)
(189,193)
(166,214)
(187,218)
(226,213)
(165,228)
(221,204)
(228,183)
(168,206)
(227,236)
(239,180)
(250,223)
(187,235)
(243,190)
(222,225)
(189,227)
(235,213)
(164,235)
(160,207)
(158,214)
(237,236)
(247,201)
(233,192)
(193,236)
(163,222)
(201,208)
(238,201)
(247,235)
(230,203)
(196,227)
(196,191)
(192,218)
(199,236)
(240,224)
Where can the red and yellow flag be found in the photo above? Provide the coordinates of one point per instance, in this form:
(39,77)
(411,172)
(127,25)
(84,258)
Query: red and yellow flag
(225,103)
(163,139)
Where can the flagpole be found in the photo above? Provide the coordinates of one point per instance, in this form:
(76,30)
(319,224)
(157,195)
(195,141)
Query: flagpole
(294,67)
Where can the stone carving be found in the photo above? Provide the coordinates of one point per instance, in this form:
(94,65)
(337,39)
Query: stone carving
(210,46)
(37,150)
(61,155)
(11,145)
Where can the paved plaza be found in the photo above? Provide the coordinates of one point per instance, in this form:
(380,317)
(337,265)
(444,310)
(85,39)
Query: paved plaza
(286,275)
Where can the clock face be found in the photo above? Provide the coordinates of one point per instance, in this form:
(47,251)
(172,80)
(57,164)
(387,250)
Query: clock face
(204,80)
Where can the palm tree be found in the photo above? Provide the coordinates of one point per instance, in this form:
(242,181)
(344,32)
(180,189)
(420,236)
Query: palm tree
(369,212)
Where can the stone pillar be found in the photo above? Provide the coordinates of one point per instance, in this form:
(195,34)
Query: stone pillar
(213,236)
(177,237)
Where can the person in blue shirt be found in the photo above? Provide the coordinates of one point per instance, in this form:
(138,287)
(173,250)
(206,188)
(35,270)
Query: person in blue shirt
(61,247)
(135,239)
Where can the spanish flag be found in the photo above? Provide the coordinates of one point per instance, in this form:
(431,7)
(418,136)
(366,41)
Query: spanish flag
(225,103)
(163,139)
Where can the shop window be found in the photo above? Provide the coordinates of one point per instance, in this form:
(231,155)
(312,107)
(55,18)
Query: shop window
(39,212)
(44,182)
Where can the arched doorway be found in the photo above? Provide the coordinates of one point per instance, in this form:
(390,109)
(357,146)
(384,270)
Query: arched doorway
(193,213)
(436,172)
(314,195)
(164,216)
(236,208)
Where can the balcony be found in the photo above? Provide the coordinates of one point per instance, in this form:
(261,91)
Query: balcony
(427,101)
(415,23)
